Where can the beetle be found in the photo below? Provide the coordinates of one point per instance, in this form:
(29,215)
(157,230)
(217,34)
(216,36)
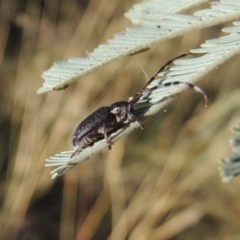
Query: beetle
(108,119)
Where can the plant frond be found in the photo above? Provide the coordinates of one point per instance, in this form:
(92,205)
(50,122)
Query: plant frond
(217,51)
(230,166)
(156,27)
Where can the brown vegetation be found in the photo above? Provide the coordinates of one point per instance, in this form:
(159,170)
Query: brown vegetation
(160,183)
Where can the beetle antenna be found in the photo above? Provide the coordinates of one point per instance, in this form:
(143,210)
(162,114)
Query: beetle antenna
(139,95)
(188,85)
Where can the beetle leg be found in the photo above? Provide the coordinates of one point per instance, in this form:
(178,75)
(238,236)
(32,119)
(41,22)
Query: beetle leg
(107,139)
(82,144)
(77,150)
(103,130)
(140,124)
(131,118)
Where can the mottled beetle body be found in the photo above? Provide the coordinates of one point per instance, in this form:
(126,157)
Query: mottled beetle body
(88,130)
(105,120)
(100,123)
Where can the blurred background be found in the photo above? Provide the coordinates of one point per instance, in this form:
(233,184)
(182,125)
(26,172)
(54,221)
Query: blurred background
(160,183)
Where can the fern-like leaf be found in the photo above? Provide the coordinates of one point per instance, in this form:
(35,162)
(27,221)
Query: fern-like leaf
(191,70)
(230,166)
(157,26)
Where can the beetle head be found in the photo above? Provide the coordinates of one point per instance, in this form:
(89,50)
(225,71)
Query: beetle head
(123,111)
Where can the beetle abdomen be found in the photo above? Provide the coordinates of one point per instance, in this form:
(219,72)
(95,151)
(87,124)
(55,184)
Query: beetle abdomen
(87,130)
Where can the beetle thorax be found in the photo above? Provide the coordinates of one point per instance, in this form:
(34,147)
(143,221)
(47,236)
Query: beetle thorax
(123,111)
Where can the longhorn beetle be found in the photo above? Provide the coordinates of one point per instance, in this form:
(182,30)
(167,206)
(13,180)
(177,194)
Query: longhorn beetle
(109,118)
